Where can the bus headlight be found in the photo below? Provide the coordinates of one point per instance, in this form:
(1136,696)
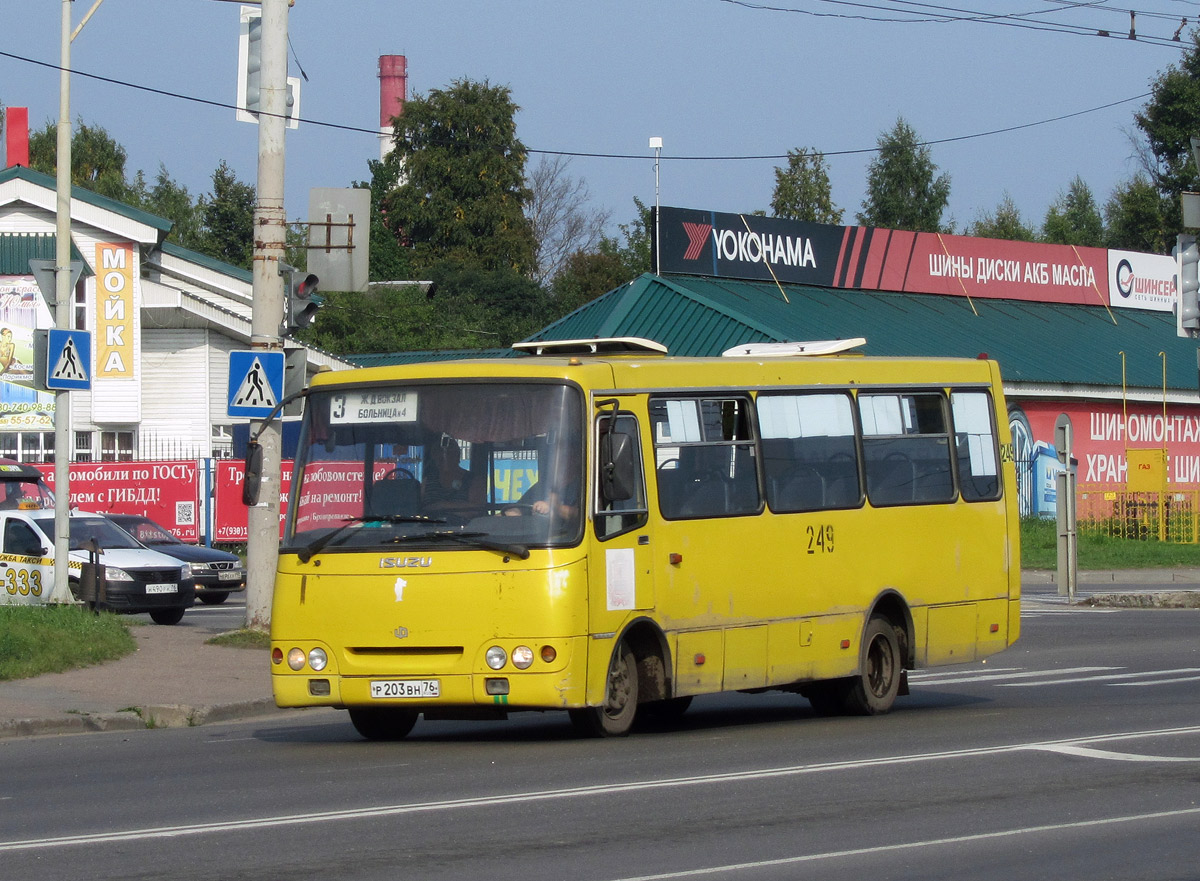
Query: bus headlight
(496,657)
(522,657)
(318,660)
(296,659)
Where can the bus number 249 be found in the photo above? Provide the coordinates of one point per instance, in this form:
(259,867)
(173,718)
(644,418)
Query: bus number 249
(820,539)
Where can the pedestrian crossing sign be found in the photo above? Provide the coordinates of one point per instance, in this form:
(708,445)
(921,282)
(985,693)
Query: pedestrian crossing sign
(68,360)
(255,383)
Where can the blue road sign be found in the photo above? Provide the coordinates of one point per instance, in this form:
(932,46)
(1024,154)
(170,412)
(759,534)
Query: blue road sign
(68,360)
(255,383)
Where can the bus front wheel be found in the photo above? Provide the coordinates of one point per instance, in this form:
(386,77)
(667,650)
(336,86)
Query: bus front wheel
(615,717)
(383,723)
(873,691)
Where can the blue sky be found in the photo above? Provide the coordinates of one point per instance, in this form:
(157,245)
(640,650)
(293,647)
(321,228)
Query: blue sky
(712,78)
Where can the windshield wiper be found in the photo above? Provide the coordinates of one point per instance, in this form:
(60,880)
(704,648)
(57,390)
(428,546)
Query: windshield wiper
(471,539)
(309,551)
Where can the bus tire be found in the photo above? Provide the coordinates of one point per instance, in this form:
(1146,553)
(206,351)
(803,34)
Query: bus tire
(873,691)
(383,723)
(615,717)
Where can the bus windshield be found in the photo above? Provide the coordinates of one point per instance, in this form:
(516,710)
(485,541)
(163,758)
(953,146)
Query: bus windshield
(489,465)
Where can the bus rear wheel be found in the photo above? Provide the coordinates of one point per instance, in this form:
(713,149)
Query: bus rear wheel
(383,723)
(873,691)
(615,717)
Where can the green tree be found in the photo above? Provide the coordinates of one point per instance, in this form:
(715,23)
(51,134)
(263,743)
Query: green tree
(463,193)
(904,190)
(97,160)
(803,190)
(588,274)
(389,261)
(1169,120)
(1074,218)
(170,200)
(227,215)
(1005,223)
(1133,217)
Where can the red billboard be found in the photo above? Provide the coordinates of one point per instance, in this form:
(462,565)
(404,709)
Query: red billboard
(166,492)
(230,516)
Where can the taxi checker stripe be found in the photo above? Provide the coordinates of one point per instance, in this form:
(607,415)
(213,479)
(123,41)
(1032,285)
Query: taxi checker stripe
(697,234)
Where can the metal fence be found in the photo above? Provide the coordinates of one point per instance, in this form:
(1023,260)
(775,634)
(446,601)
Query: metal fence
(1112,510)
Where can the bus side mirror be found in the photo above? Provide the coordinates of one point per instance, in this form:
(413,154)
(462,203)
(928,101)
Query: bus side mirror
(617,467)
(252,478)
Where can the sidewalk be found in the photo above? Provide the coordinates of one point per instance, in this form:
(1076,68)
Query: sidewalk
(174,679)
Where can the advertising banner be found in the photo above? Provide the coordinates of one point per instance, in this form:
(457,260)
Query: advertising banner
(1105,436)
(22,310)
(745,246)
(1141,281)
(230,520)
(166,492)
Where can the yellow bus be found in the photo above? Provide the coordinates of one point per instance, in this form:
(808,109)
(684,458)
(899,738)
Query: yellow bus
(599,528)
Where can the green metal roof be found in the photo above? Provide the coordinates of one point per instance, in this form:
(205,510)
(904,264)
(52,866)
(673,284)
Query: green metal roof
(391,359)
(45,180)
(1033,342)
(17,249)
(210,262)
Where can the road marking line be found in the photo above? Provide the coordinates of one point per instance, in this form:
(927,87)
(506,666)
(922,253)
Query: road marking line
(155,832)
(1088,752)
(1099,678)
(987,676)
(914,845)
(1155,682)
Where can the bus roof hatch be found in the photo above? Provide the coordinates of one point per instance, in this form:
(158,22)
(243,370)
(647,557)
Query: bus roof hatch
(629,345)
(816,347)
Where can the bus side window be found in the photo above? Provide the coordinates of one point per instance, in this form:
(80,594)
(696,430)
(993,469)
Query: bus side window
(617,516)
(809,454)
(705,457)
(906,445)
(975,446)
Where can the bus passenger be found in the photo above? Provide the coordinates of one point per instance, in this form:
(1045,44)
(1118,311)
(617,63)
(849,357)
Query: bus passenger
(448,483)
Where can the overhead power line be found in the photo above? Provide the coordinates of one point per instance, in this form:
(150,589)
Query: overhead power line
(586,154)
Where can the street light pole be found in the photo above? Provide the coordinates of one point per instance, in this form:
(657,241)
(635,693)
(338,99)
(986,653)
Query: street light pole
(270,227)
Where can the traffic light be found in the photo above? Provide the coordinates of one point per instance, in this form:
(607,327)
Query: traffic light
(253,101)
(1187,264)
(300,294)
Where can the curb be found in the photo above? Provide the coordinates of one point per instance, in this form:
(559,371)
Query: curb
(1117,576)
(139,718)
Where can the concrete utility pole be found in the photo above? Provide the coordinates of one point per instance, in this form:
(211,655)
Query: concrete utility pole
(62,317)
(270,227)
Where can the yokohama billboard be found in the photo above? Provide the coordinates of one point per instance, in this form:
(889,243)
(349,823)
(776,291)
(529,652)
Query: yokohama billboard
(713,244)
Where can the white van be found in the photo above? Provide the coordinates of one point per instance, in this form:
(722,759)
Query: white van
(137,579)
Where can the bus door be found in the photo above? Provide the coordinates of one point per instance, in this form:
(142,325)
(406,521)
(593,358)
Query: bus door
(620,522)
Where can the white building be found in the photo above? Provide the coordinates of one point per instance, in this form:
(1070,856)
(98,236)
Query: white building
(162,330)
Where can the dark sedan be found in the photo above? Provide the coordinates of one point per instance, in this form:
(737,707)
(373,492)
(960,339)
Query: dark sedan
(217,573)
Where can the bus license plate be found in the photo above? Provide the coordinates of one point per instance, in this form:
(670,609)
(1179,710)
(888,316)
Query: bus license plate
(389,688)
(162,588)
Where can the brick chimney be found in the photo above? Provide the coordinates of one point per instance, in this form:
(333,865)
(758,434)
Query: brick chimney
(393,82)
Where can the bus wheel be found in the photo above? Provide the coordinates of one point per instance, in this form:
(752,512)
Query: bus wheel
(383,723)
(874,689)
(615,717)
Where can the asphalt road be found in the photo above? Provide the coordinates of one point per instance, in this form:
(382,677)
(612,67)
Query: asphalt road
(1074,755)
